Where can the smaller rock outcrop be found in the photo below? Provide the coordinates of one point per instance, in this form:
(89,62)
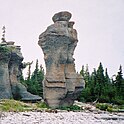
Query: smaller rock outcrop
(10,71)
(62,85)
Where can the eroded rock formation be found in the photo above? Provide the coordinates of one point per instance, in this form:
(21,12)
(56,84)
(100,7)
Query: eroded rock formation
(62,84)
(5,88)
(10,71)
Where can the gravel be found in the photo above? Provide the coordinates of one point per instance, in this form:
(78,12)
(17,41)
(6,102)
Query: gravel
(61,118)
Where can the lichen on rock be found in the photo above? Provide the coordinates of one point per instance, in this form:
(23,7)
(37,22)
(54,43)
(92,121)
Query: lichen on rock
(62,84)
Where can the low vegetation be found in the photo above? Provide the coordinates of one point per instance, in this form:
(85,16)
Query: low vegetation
(70,108)
(110,107)
(18,106)
(7,105)
(107,93)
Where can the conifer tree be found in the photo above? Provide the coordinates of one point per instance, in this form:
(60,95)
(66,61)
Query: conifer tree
(100,83)
(36,80)
(3,35)
(82,72)
(120,83)
(87,76)
(88,86)
(107,79)
(93,85)
(100,88)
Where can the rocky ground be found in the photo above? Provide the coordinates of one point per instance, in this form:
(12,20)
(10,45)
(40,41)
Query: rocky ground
(61,117)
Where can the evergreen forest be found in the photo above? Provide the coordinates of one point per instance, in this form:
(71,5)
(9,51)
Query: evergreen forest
(34,80)
(99,87)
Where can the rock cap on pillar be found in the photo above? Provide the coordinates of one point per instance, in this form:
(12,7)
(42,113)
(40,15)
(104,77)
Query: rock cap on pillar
(62,16)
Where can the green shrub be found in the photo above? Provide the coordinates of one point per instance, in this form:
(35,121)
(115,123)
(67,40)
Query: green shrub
(42,105)
(70,108)
(110,109)
(102,106)
(74,107)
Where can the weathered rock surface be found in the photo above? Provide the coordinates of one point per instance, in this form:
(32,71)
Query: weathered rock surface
(10,71)
(62,16)
(62,84)
(5,88)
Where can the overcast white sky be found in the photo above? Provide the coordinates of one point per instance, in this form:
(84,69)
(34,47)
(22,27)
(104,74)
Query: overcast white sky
(99,23)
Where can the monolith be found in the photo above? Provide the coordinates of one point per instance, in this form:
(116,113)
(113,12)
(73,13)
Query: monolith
(62,85)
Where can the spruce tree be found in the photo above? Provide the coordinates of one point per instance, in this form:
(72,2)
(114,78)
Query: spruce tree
(120,83)
(87,76)
(3,35)
(107,79)
(100,88)
(93,85)
(100,83)
(36,80)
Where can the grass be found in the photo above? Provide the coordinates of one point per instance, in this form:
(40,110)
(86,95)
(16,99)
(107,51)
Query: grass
(110,107)
(18,106)
(10,105)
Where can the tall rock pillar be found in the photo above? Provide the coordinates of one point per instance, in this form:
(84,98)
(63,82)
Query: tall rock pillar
(10,71)
(62,85)
(19,91)
(5,86)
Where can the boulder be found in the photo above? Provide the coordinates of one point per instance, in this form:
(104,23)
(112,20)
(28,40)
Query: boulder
(62,85)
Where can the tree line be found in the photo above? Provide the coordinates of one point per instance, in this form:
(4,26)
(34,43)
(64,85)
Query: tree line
(34,80)
(100,88)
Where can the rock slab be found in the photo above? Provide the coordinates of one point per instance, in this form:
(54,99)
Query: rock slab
(62,85)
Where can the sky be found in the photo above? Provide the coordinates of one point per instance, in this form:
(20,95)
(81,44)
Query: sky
(99,23)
